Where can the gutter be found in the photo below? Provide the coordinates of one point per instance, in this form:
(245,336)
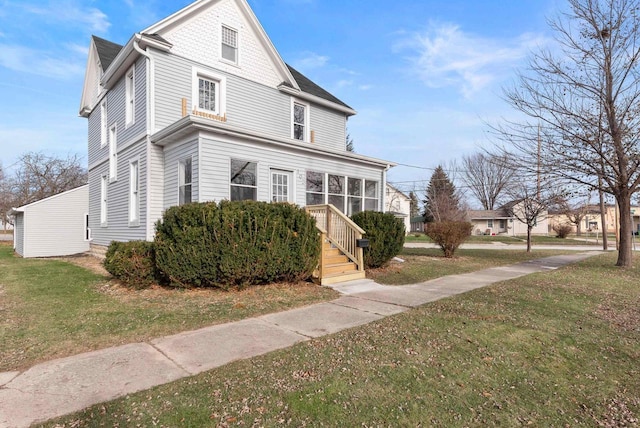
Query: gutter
(150,121)
(317,100)
(194,123)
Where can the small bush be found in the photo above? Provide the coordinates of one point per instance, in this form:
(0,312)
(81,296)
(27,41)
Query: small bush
(236,244)
(386,236)
(449,235)
(132,262)
(562,230)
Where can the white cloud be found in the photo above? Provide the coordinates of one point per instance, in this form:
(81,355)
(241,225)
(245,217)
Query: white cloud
(309,61)
(444,55)
(70,12)
(365,87)
(23,59)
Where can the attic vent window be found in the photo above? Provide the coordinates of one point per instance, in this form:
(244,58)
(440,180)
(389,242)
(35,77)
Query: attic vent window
(230,44)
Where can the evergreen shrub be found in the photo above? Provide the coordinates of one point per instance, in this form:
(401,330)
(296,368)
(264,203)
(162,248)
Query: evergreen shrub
(385,234)
(235,244)
(449,235)
(133,263)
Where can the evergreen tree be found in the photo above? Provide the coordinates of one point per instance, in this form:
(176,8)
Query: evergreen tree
(350,147)
(413,207)
(441,201)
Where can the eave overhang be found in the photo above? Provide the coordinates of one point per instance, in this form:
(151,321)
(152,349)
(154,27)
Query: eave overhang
(192,124)
(316,100)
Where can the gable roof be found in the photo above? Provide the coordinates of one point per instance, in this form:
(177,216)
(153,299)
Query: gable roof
(487,214)
(308,86)
(107,51)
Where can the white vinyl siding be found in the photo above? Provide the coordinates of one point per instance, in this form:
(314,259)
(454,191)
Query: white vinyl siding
(247,105)
(172,157)
(54,226)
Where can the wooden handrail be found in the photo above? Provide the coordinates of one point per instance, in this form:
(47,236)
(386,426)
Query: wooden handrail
(339,230)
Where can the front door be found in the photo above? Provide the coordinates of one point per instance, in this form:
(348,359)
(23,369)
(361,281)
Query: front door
(281,186)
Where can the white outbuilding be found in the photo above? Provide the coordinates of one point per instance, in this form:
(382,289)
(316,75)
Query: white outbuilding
(55,226)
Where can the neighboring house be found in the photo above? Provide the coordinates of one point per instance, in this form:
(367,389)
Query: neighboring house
(502,221)
(398,204)
(201,107)
(55,226)
(589,223)
(592,220)
(417,224)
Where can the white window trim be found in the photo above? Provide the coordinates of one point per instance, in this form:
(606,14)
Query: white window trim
(134,198)
(130,97)
(113,153)
(245,185)
(307,122)
(221,92)
(226,61)
(87,230)
(104,124)
(291,185)
(104,199)
(180,163)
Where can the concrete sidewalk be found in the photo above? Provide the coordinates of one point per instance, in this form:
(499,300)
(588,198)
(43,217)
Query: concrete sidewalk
(67,385)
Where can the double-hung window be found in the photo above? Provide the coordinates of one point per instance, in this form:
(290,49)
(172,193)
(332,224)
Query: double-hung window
(134,193)
(315,188)
(113,153)
(300,121)
(336,191)
(185,181)
(371,195)
(130,96)
(104,185)
(229,44)
(104,127)
(354,191)
(243,180)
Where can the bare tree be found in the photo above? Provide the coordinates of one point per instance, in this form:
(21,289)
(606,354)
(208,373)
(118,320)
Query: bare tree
(575,210)
(530,205)
(414,204)
(38,176)
(486,177)
(5,199)
(583,102)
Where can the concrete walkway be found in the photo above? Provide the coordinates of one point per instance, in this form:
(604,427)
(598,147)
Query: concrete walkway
(66,385)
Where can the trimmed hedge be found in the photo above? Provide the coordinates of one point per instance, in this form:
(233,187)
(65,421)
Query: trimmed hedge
(386,236)
(132,262)
(449,235)
(236,244)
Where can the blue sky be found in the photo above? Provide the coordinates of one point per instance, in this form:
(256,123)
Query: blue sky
(424,75)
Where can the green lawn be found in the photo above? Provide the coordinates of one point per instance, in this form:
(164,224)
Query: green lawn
(51,308)
(560,348)
(504,239)
(423,264)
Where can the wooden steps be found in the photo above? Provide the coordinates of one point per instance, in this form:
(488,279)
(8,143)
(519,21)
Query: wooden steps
(336,267)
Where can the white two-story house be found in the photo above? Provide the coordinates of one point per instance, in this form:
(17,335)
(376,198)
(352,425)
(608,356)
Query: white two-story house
(201,107)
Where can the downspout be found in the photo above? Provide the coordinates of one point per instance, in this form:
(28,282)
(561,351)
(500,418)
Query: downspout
(383,190)
(150,122)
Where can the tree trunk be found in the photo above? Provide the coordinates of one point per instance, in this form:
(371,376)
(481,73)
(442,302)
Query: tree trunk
(603,218)
(579,228)
(529,238)
(625,255)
